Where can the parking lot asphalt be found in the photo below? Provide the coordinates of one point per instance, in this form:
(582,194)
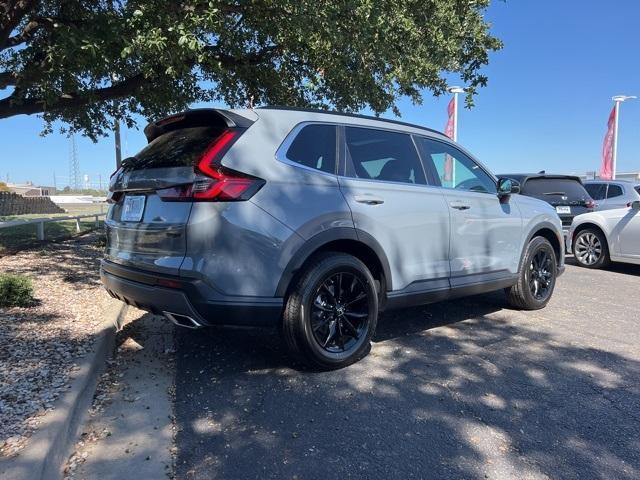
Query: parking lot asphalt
(459,389)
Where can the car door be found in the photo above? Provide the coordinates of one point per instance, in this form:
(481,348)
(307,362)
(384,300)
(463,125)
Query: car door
(626,233)
(486,233)
(385,186)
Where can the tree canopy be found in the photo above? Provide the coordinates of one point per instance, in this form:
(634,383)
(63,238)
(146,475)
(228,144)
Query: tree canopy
(85,62)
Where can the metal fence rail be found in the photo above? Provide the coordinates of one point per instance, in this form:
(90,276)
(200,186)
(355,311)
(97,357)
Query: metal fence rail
(39,222)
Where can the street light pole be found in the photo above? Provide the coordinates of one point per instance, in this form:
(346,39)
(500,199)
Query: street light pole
(618,99)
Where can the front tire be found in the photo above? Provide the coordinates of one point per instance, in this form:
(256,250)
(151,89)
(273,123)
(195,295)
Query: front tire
(332,312)
(590,249)
(537,277)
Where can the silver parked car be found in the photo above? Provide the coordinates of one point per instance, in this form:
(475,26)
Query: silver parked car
(315,222)
(610,194)
(601,237)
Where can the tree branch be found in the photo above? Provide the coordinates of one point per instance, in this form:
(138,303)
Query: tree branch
(7,79)
(253,58)
(10,18)
(13,105)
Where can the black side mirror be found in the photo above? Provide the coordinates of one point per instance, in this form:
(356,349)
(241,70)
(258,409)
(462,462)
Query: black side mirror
(507,186)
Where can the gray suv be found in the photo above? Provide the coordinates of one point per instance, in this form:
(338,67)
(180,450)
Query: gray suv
(610,194)
(315,222)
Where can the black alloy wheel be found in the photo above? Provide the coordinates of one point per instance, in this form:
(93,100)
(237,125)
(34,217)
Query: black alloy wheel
(339,312)
(540,274)
(331,312)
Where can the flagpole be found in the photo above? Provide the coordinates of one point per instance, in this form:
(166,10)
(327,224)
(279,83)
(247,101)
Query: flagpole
(618,99)
(455,91)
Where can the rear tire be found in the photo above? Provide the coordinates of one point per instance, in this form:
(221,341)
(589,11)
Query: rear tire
(590,249)
(331,312)
(536,278)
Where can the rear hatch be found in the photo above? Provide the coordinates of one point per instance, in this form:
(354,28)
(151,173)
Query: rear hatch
(566,194)
(153,192)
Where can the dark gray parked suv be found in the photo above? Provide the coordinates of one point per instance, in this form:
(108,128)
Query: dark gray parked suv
(314,222)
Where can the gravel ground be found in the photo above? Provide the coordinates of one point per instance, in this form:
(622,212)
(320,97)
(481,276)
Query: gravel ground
(40,345)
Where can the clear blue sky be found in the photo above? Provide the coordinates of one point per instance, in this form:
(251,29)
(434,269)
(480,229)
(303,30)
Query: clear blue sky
(545,107)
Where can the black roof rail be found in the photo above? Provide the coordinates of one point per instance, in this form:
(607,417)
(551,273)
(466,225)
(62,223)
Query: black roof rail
(343,114)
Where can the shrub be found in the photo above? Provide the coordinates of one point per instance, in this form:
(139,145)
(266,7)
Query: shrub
(15,290)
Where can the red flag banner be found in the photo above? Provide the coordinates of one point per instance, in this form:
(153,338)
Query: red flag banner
(448,129)
(606,169)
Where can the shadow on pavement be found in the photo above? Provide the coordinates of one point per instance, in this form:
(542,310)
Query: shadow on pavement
(617,267)
(451,390)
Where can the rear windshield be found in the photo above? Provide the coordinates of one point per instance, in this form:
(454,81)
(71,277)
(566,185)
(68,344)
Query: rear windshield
(553,189)
(178,148)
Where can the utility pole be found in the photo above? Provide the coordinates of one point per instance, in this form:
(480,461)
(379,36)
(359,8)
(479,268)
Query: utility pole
(74,165)
(618,99)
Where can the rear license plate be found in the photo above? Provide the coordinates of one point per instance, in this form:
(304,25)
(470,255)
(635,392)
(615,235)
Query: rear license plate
(133,208)
(563,209)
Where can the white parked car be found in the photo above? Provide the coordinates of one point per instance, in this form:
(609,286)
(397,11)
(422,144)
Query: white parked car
(597,238)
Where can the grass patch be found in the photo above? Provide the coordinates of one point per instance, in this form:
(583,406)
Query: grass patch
(15,290)
(24,236)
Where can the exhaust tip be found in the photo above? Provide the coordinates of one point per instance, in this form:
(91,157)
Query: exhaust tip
(182,320)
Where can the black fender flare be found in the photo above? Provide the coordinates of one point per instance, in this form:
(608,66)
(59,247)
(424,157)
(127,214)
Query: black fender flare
(318,241)
(533,232)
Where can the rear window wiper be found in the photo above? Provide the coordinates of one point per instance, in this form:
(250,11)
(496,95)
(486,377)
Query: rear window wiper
(554,193)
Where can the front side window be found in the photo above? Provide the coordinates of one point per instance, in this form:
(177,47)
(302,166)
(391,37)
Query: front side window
(614,191)
(315,147)
(454,169)
(381,155)
(597,191)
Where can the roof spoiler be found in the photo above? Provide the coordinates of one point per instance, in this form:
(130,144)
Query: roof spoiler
(198,117)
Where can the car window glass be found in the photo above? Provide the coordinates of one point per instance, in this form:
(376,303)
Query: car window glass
(454,169)
(315,147)
(638,189)
(177,148)
(614,191)
(597,191)
(555,189)
(382,155)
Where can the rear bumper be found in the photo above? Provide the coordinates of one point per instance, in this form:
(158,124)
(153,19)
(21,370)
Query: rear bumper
(187,297)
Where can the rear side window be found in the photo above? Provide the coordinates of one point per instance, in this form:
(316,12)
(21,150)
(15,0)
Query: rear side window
(597,191)
(638,189)
(381,155)
(177,148)
(314,147)
(553,189)
(614,191)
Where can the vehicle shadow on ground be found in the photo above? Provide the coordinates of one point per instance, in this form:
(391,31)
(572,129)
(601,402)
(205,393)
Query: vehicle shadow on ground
(452,390)
(617,267)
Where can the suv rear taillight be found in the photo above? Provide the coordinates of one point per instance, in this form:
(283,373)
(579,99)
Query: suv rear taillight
(590,204)
(215,183)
